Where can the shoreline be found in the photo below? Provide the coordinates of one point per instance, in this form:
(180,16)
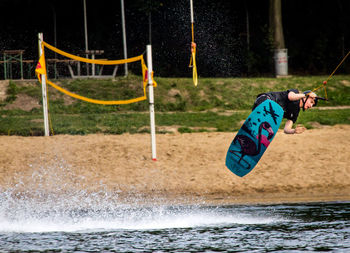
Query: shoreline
(189,168)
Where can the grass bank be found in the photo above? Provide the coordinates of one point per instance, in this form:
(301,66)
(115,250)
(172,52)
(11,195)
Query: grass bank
(216,104)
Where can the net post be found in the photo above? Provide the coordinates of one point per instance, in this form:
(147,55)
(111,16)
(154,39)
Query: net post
(151,101)
(124,36)
(191,4)
(43,91)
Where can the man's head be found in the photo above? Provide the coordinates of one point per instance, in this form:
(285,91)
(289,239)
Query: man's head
(310,100)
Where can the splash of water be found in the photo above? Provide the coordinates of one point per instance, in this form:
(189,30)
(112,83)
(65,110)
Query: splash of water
(55,199)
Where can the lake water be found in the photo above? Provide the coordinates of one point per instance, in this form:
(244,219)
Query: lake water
(97,223)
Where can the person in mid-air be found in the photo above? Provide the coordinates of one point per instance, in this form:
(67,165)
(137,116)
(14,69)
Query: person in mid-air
(291,101)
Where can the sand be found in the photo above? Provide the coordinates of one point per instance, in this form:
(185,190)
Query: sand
(313,166)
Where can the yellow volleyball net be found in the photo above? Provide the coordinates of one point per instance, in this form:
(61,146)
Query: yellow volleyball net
(41,69)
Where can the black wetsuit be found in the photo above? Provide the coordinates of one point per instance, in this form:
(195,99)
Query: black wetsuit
(291,108)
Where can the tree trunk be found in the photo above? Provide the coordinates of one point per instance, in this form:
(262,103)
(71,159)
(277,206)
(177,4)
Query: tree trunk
(276,27)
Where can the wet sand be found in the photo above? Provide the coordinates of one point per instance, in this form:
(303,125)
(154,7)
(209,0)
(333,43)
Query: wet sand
(190,168)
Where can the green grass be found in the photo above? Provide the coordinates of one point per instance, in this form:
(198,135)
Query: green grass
(177,103)
(240,93)
(118,123)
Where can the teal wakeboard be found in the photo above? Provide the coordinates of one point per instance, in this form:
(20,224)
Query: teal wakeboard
(254,137)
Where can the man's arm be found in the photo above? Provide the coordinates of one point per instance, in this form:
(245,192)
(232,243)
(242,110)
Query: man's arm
(292,96)
(289,130)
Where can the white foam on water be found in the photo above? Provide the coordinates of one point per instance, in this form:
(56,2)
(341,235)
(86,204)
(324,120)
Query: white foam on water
(88,225)
(157,217)
(195,219)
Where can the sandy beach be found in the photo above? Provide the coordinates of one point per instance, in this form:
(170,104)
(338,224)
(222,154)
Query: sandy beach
(313,166)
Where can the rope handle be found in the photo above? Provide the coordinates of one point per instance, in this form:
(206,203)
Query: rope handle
(330,76)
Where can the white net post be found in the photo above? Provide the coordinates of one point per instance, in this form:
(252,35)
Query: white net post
(191,4)
(44,92)
(151,101)
(124,36)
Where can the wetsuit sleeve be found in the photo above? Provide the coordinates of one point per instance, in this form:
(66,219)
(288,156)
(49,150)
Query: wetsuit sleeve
(292,111)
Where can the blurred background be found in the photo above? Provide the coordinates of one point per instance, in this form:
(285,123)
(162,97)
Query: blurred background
(233,37)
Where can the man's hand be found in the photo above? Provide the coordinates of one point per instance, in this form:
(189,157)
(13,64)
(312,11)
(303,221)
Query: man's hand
(289,130)
(299,129)
(312,95)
